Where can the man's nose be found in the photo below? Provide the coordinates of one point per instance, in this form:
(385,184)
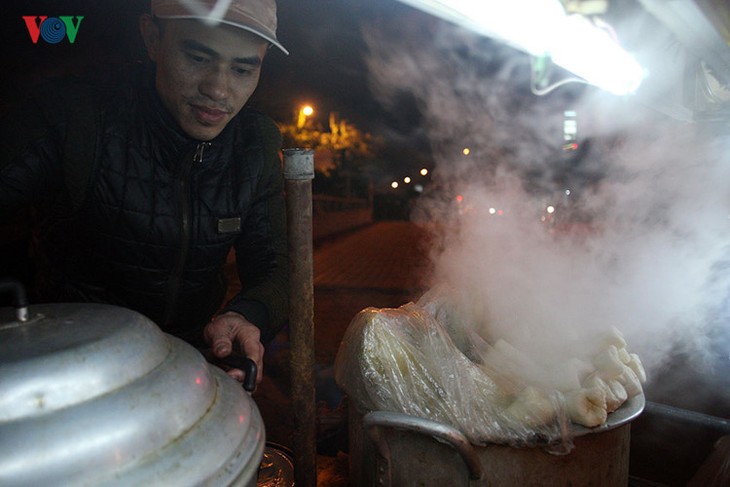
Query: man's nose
(215,83)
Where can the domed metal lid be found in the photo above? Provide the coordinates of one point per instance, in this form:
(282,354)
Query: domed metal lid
(97,394)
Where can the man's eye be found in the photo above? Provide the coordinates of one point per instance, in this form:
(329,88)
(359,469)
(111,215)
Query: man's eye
(243,71)
(196,58)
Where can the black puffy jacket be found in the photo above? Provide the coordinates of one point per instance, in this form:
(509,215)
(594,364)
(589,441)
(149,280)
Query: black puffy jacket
(133,212)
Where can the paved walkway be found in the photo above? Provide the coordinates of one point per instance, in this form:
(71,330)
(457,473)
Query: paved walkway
(381,265)
(387,256)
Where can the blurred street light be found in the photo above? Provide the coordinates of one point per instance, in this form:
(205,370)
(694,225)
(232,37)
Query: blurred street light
(466,151)
(304,112)
(394,184)
(407,180)
(424,171)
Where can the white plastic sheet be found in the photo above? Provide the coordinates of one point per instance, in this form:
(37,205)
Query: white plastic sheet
(419,359)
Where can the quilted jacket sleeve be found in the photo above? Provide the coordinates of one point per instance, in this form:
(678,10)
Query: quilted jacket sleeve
(261,251)
(31,169)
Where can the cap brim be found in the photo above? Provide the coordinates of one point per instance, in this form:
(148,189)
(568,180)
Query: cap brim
(259,32)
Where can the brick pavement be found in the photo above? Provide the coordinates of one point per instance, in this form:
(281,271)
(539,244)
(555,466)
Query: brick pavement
(380,265)
(386,256)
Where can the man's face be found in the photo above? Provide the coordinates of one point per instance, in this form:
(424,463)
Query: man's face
(204,74)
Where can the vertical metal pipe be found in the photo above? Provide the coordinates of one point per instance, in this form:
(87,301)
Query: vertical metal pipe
(20,300)
(298,174)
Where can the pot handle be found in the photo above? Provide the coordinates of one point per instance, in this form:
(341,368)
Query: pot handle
(248,366)
(236,361)
(439,431)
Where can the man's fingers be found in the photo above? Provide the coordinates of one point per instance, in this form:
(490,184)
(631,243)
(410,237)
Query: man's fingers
(236,374)
(220,333)
(230,327)
(222,345)
(254,350)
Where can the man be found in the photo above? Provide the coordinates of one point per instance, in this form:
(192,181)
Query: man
(143,182)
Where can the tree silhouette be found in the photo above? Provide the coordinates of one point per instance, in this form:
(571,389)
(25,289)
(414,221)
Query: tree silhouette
(343,154)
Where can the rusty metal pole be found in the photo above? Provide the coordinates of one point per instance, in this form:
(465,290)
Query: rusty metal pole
(298,173)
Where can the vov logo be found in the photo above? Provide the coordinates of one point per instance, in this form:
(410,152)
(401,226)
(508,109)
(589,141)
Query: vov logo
(52,29)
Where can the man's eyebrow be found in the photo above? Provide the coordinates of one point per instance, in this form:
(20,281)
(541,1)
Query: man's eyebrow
(197,46)
(251,61)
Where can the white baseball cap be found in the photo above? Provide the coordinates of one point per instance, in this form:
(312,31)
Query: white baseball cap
(256,16)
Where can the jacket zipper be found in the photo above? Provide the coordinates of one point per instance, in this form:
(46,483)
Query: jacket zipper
(183,184)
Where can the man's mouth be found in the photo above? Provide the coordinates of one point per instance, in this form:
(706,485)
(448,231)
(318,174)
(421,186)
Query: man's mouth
(207,115)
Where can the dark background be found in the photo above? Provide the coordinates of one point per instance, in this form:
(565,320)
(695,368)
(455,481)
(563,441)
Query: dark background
(325,67)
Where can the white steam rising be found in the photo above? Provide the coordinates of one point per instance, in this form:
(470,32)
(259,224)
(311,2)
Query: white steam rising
(641,243)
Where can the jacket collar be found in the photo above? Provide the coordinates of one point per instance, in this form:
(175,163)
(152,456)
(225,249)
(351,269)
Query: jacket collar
(169,143)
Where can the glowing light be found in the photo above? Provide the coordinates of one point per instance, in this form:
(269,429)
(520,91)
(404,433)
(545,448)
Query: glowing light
(570,41)
(500,212)
(591,53)
(550,209)
(567,192)
(304,112)
(394,184)
(459,198)
(406,180)
(418,188)
(492,211)
(198,380)
(424,171)
(466,151)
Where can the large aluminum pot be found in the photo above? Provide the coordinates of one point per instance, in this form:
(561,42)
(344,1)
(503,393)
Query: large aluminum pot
(398,450)
(95,394)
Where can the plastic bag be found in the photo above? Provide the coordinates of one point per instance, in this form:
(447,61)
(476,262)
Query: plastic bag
(425,360)
(403,360)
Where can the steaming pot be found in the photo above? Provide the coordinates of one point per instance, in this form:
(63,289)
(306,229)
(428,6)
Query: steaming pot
(98,395)
(394,449)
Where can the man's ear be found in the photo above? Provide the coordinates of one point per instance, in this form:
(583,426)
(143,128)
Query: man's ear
(150,35)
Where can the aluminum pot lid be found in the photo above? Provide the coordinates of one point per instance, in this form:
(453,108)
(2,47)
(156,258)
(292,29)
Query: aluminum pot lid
(96,394)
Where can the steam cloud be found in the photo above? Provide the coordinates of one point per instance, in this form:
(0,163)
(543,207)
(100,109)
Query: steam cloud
(641,243)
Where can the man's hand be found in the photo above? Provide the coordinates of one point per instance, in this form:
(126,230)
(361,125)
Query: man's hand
(232,328)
